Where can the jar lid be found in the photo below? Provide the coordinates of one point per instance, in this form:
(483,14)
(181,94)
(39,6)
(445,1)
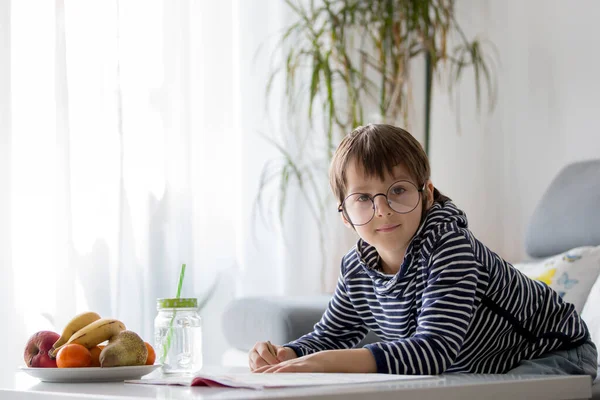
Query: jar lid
(177,303)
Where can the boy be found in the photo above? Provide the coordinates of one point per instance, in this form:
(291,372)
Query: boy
(438,298)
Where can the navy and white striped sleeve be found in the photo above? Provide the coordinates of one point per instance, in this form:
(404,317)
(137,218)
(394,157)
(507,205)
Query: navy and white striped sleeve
(449,303)
(339,328)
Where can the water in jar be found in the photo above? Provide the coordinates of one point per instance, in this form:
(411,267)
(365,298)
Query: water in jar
(185,353)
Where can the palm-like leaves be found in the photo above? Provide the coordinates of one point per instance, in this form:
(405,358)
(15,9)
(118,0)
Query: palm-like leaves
(348,56)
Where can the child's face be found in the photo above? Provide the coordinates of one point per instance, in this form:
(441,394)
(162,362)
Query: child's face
(388,231)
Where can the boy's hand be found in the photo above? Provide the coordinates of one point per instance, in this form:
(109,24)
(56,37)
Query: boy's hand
(345,361)
(265,353)
(309,363)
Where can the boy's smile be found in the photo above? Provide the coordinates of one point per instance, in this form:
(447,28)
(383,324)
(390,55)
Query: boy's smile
(389,231)
(388,228)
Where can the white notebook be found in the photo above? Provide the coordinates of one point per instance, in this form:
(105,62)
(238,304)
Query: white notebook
(279,380)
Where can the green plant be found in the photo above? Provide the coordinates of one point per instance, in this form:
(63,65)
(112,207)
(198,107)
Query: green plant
(352,57)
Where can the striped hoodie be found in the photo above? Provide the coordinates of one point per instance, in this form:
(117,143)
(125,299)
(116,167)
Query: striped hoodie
(454,306)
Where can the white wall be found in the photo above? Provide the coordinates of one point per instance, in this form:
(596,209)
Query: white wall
(497,167)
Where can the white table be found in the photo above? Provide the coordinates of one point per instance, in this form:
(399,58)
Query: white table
(449,387)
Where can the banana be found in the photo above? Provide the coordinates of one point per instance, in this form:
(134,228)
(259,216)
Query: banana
(76,323)
(96,332)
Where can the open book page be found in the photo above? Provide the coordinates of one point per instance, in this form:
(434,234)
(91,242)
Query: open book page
(165,380)
(279,380)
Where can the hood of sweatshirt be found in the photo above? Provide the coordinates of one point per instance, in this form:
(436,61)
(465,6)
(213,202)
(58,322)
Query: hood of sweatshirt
(439,214)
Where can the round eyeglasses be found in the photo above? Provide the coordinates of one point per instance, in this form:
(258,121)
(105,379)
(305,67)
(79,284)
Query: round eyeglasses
(402,197)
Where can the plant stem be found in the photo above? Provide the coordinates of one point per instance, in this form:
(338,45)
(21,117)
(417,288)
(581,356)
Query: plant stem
(428,90)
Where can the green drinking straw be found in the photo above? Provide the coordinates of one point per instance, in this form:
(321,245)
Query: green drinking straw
(167,343)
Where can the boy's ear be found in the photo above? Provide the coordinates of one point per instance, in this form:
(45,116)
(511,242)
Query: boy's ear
(429,188)
(345,221)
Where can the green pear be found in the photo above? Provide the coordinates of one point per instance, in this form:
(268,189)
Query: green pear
(123,349)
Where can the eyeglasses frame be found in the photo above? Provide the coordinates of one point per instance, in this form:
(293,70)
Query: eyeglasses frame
(341,206)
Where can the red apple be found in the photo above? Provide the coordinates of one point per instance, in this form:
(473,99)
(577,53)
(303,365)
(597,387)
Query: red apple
(37,348)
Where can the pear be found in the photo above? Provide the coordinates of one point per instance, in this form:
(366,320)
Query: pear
(123,349)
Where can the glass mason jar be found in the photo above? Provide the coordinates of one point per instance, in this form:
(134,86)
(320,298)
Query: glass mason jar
(178,335)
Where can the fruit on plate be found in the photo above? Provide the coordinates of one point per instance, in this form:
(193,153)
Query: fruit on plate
(73,356)
(151,354)
(95,352)
(124,349)
(37,349)
(96,332)
(80,345)
(76,323)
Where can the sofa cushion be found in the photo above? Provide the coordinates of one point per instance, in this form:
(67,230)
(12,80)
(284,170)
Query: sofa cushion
(567,215)
(572,273)
(591,313)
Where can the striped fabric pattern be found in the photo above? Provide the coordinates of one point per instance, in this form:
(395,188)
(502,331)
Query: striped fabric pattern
(454,306)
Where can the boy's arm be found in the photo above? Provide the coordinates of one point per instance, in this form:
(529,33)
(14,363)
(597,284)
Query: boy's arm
(449,303)
(341,361)
(340,326)
(347,361)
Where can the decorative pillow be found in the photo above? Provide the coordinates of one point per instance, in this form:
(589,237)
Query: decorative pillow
(591,314)
(571,273)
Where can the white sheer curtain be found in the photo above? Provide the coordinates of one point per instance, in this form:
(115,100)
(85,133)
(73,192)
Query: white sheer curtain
(128,146)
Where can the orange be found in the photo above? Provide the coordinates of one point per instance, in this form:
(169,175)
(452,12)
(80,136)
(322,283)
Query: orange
(73,356)
(151,354)
(95,352)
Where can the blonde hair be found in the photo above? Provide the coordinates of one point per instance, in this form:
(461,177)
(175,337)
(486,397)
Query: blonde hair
(379,148)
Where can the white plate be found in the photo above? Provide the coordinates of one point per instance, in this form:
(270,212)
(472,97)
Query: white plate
(92,374)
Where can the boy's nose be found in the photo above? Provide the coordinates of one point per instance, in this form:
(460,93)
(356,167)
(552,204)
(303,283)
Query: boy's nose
(381,206)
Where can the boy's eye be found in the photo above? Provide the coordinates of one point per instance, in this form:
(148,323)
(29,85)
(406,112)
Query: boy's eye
(397,190)
(363,198)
